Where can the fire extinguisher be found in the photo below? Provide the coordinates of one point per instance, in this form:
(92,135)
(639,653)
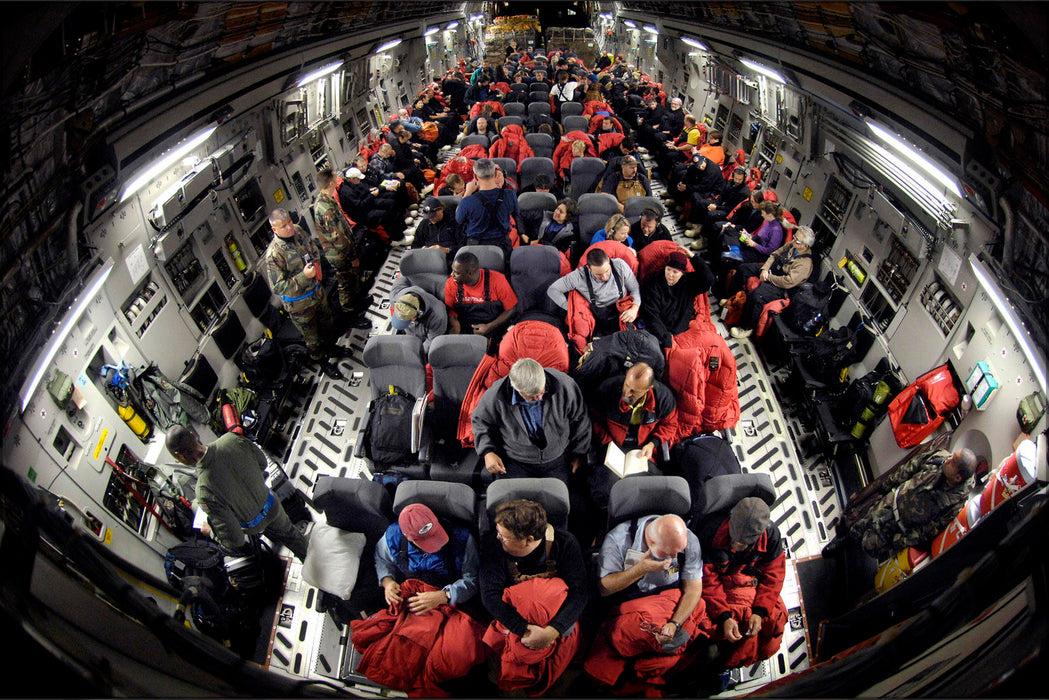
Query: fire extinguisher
(230,415)
(872,409)
(139,425)
(234,251)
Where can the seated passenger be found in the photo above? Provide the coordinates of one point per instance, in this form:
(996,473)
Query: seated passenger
(373,206)
(617,228)
(533,582)
(718,208)
(757,246)
(648,228)
(453,186)
(558,226)
(544,183)
(713,149)
(479,301)
(424,565)
(670,297)
(787,267)
(532,423)
(418,313)
(483,126)
(627,182)
(909,507)
(437,230)
(605,284)
(652,569)
(744,567)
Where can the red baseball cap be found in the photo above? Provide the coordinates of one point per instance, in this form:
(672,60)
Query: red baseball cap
(420,526)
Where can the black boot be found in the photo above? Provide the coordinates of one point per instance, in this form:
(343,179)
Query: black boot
(329,369)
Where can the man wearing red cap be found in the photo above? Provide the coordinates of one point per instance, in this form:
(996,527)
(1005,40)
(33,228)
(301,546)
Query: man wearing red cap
(419,546)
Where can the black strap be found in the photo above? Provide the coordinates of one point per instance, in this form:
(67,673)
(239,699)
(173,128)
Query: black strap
(493,209)
(590,284)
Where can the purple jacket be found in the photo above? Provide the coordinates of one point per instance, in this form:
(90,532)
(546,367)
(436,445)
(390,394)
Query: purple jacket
(769,237)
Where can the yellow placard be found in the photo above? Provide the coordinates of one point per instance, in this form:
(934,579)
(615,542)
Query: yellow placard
(278,196)
(843,262)
(101,442)
(779,159)
(108,539)
(807,194)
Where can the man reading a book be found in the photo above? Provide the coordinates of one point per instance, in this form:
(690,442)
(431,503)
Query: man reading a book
(636,412)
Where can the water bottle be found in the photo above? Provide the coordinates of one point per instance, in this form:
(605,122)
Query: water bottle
(872,409)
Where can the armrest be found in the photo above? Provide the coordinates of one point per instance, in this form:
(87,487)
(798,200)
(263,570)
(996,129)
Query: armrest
(418,421)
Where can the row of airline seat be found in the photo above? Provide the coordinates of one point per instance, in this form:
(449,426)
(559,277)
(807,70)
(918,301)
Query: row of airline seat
(359,505)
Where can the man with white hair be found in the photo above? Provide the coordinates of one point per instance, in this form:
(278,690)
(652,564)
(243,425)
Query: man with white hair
(532,423)
(650,567)
(787,267)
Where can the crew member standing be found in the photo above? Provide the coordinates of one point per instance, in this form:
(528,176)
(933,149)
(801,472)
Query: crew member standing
(293,265)
(336,235)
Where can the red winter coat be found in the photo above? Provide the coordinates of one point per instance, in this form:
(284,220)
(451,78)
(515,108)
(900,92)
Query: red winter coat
(734,590)
(521,668)
(580,321)
(937,387)
(607,141)
(460,165)
(731,164)
(621,641)
(708,399)
(562,156)
(535,339)
(614,249)
(595,124)
(497,108)
(511,145)
(594,106)
(653,258)
(414,653)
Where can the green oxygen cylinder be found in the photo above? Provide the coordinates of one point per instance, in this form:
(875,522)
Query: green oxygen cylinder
(872,409)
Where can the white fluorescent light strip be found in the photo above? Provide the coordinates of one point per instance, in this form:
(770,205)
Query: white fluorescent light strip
(81,302)
(629,24)
(693,43)
(911,154)
(930,195)
(388,45)
(991,287)
(474,18)
(320,73)
(452,25)
(767,72)
(431,30)
(166,162)
(650,29)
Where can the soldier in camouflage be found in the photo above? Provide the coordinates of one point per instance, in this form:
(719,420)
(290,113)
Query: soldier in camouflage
(917,501)
(293,266)
(335,232)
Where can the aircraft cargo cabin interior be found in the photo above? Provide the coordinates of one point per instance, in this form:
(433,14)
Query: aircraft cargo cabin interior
(474,349)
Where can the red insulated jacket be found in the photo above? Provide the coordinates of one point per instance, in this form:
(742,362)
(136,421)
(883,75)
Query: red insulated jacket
(938,397)
(702,372)
(511,145)
(621,643)
(594,106)
(535,339)
(732,586)
(521,668)
(653,258)
(413,653)
(562,156)
(497,108)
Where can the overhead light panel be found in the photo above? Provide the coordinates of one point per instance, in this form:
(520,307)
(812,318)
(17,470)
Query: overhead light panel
(319,73)
(474,18)
(629,24)
(990,285)
(650,29)
(688,41)
(172,157)
(606,15)
(452,25)
(388,45)
(767,72)
(914,156)
(431,30)
(77,310)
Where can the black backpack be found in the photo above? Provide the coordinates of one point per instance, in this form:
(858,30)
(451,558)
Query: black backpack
(830,352)
(807,310)
(197,569)
(387,436)
(861,390)
(261,361)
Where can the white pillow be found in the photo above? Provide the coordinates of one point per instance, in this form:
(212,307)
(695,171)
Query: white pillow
(333,559)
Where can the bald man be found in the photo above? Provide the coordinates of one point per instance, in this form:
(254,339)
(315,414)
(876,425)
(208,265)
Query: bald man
(650,567)
(635,411)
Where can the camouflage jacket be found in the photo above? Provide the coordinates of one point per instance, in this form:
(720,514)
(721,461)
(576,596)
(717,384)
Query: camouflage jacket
(333,229)
(285,259)
(923,500)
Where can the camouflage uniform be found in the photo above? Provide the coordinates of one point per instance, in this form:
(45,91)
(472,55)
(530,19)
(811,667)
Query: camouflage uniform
(917,504)
(310,312)
(336,238)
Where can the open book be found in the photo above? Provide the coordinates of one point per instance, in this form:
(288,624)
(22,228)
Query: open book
(626,464)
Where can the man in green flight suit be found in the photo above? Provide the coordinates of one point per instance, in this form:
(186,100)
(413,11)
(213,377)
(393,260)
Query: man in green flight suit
(231,489)
(335,232)
(911,505)
(293,265)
